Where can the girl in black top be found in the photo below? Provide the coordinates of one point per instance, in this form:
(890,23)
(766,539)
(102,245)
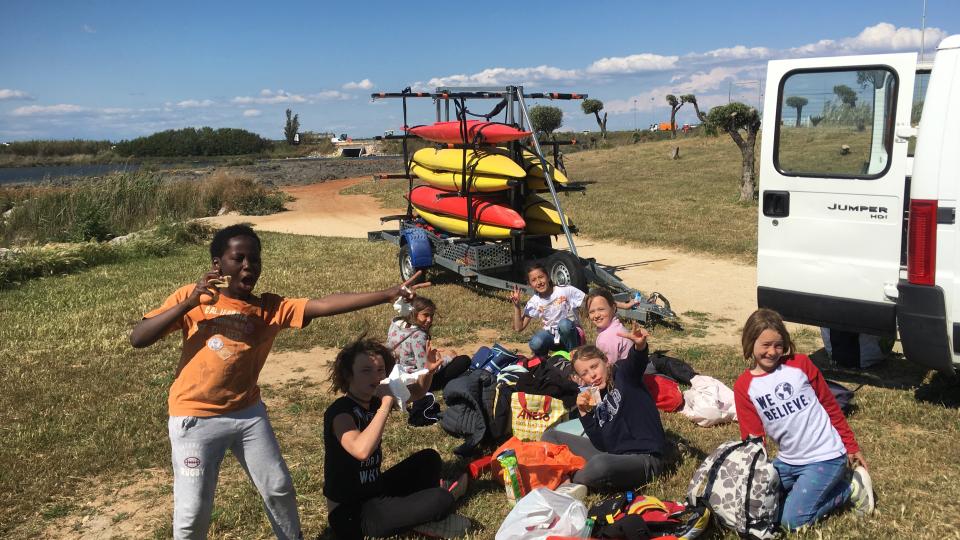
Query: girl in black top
(361,500)
(625,440)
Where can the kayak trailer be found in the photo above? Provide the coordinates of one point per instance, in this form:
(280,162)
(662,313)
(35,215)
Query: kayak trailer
(500,263)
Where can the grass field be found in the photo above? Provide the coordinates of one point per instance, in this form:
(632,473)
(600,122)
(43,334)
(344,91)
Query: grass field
(643,196)
(85,414)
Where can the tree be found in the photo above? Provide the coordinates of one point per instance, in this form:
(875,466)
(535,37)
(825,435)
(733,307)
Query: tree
(546,119)
(594,106)
(846,95)
(675,105)
(733,118)
(293,126)
(692,99)
(798,103)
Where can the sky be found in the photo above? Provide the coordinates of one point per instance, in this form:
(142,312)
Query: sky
(116,70)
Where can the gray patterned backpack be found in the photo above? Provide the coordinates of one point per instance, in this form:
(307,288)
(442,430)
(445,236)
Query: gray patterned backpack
(741,486)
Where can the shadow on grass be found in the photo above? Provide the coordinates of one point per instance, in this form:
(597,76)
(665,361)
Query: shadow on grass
(896,373)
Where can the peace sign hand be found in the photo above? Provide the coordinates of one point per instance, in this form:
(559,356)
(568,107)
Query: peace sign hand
(407,288)
(516,295)
(637,335)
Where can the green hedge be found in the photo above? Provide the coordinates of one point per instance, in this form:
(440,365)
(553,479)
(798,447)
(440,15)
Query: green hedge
(204,141)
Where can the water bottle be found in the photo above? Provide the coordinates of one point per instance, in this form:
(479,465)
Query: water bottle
(637,297)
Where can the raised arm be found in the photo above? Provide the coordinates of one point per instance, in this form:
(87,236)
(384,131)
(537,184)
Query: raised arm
(335,304)
(638,357)
(362,444)
(520,321)
(149,330)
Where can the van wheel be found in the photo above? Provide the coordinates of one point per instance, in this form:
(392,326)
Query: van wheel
(406,265)
(566,269)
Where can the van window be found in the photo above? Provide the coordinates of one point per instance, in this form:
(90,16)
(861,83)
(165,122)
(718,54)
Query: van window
(835,123)
(919,94)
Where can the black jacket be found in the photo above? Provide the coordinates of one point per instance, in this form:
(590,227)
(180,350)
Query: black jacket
(469,401)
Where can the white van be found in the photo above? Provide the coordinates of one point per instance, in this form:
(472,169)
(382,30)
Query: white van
(855,233)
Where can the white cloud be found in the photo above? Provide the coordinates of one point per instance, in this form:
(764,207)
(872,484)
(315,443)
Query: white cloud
(268,97)
(635,63)
(250,113)
(880,37)
(9,94)
(194,104)
(330,95)
(499,76)
(738,52)
(49,110)
(88,29)
(365,84)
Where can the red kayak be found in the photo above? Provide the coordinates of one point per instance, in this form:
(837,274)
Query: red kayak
(449,132)
(485,210)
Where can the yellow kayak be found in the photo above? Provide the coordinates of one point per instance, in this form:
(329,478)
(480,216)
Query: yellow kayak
(485,163)
(542,217)
(452,181)
(534,168)
(459,226)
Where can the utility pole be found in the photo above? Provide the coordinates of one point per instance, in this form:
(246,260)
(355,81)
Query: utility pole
(923,24)
(634,115)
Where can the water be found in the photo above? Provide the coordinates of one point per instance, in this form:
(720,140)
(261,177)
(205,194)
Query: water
(9,175)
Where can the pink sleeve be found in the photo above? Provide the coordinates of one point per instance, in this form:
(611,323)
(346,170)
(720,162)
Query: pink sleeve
(829,403)
(747,415)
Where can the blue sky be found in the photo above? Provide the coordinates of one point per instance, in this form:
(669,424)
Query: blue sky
(114,70)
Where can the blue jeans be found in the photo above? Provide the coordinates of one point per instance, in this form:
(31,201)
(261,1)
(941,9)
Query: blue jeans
(542,342)
(811,491)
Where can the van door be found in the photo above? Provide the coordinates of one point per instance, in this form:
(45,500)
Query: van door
(832,188)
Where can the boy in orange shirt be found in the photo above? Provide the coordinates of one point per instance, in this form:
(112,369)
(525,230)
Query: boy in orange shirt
(214,401)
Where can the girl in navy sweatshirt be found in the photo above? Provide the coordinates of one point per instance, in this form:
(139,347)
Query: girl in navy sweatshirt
(783,395)
(625,445)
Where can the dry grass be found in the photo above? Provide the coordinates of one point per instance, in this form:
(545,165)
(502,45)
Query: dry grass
(643,196)
(84,409)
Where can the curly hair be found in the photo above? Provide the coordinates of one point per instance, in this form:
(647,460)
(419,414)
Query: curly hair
(342,370)
(218,246)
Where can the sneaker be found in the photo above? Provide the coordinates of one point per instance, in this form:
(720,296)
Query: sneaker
(577,491)
(452,526)
(458,487)
(861,492)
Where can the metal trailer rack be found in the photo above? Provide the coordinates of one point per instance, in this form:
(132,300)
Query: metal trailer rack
(498,263)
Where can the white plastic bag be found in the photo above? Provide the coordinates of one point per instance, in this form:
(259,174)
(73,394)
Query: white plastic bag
(398,380)
(708,402)
(542,513)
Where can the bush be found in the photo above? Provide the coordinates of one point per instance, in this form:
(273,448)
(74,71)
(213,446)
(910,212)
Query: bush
(195,142)
(22,264)
(41,148)
(104,208)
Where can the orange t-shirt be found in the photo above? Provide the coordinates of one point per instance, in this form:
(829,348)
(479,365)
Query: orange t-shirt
(224,348)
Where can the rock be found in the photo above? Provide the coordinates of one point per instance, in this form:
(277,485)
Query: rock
(675,153)
(8,213)
(222,211)
(844,149)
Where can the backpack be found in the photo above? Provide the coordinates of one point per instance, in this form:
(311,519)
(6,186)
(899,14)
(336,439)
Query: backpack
(843,395)
(493,359)
(741,487)
(642,518)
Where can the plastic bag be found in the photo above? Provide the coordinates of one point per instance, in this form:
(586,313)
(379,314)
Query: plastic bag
(542,464)
(542,513)
(708,402)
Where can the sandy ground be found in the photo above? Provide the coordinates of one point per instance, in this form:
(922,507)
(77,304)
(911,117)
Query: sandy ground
(722,290)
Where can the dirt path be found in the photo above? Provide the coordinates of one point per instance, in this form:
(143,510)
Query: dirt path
(718,289)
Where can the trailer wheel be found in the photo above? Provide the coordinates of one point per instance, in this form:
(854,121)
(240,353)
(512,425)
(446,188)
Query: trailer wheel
(566,269)
(406,265)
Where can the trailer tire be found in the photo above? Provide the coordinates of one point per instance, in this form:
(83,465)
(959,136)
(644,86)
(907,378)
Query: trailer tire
(406,265)
(565,268)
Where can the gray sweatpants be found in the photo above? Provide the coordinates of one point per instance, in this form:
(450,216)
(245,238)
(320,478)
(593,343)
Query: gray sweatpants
(198,445)
(607,472)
